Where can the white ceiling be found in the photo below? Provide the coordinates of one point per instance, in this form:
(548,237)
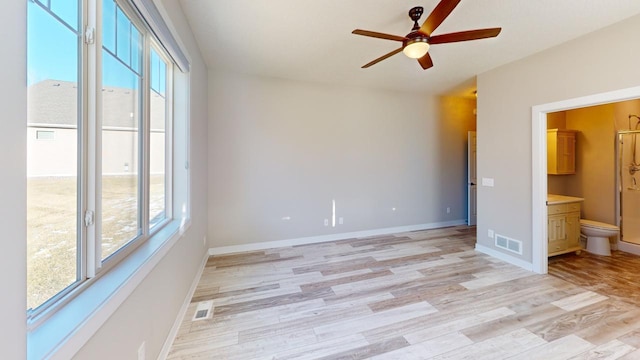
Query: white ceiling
(311,40)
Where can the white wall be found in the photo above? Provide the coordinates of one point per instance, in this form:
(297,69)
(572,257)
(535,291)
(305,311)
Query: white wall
(280,148)
(13,137)
(602,61)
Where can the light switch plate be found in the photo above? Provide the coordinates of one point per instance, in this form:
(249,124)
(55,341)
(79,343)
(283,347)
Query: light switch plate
(487,182)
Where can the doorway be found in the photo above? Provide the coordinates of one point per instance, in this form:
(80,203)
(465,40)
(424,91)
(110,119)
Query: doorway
(539,163)
(472,184)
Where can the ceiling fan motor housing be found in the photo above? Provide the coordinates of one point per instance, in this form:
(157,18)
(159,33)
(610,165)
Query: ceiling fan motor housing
(415,36)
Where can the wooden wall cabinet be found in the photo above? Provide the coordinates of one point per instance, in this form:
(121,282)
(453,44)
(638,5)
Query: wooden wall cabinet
(564,228)
(561,152)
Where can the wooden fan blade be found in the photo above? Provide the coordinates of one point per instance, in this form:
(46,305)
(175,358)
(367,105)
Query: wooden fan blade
(437,16)
(382,58)
(378,35)
(426,61)
(465,36)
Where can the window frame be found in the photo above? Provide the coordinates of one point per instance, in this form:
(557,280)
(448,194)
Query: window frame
(123,251)
(168,136)
(89,265)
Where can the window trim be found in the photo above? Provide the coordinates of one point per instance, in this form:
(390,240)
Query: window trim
(152,15)
(168,133)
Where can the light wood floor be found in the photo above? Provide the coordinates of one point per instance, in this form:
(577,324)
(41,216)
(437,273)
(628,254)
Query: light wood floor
(417,295)
(617,276)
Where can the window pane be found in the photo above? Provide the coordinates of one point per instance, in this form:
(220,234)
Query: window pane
(121,116)
(123,37)
(158,139)
(67,11)
(136,50)
(109,25)
(52,173)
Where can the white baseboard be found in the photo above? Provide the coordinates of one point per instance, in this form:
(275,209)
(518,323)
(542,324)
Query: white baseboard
(183,310)
(628,247)
(504,257)
(331,237)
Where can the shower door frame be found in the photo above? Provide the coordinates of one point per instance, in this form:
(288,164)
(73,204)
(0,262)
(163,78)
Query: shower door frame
(619,168)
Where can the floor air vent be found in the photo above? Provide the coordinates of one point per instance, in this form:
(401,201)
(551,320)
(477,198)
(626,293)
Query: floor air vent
(509,244)
(203,311)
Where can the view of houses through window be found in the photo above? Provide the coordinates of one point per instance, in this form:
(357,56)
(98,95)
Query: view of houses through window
(54,95)
(121,120)
(123,190)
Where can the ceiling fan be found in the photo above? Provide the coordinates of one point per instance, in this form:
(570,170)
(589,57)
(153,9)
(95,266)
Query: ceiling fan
(416,43)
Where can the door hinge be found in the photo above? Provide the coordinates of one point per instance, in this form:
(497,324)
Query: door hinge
(88,218)
(89,35)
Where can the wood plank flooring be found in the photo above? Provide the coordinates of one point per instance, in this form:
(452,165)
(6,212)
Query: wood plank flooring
(417,295)
(617,275)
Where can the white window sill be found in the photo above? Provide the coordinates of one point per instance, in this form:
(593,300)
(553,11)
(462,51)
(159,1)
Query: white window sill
(66,331)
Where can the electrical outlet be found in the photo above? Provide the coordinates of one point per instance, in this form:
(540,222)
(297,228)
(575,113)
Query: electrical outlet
(448,210)
(341,220)
(204,241)
(326,222)
(490,233)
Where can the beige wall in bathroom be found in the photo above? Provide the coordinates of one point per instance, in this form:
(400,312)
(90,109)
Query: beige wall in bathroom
(557,120)
(595,161)
(622,112)
(556,184)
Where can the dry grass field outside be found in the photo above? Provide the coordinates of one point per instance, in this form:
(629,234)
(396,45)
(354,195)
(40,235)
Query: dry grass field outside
(52,223)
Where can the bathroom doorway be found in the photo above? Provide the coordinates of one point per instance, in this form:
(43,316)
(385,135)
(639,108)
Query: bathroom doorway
(539,163)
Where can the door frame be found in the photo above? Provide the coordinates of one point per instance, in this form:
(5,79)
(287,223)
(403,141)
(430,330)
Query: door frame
(539,163)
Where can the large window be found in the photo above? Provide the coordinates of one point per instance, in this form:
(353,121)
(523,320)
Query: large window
(99,142)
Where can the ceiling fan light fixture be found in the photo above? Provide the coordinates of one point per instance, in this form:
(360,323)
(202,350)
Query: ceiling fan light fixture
(416,48)
(415,44)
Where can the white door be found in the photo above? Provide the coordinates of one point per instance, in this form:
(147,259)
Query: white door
(472,205)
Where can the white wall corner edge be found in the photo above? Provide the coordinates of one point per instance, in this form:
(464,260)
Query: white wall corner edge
(222,250)
(504,257)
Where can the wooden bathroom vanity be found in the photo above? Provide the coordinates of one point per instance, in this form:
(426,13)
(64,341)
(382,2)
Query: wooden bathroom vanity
(563,225)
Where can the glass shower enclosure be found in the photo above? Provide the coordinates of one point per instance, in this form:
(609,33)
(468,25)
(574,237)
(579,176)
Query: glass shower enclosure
(628,173)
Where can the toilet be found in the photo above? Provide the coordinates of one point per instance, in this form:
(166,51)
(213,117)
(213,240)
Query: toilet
(598,235)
